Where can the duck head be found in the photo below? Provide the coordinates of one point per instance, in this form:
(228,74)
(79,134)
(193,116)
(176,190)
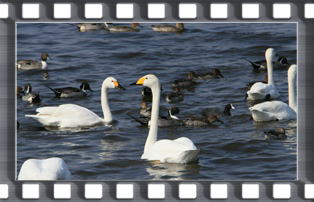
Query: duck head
(85,86)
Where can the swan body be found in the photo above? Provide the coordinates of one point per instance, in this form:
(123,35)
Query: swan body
(181,150)
(75,116)
(33,64)
(260,90)
(45,169)
(278,110)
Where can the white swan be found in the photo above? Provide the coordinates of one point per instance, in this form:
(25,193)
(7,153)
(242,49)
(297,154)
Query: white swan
(260,90)
(181,150)
(278,110)
(74,116)
(46,169)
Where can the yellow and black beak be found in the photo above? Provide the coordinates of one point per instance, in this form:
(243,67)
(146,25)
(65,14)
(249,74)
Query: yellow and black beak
(139,82)
(117,85)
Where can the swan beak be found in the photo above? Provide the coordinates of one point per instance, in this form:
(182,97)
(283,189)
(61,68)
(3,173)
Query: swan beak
(139,82)
(117,85)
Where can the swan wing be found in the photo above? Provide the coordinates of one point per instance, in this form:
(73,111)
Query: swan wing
(181,150)
(260,90)
(66,116)
(272,110)
(46,169)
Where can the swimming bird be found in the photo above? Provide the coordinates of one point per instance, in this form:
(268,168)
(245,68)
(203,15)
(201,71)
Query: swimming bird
(145,111)
(120,28)
(181,150)
(71,91)
(19,91)
(201,121)
(33,64)
(84,27)
(74,116)
(163,121)
(275,134)
(175,96)
(146,94)
(185,82)
(179,27)
(213,74)
(278,110)
(261,65)
(218,112)
(44,169)
(30,96)
(260,90)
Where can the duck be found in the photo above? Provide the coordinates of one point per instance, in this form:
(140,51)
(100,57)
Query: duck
(188,82)
(218,112)
(19,91)
(146,94)
(275,134)
(84,27)
(145,111)
(201,121)
(260,90)
(179,27)
(68,116)
(163,121)
(261,65)
(53,168)
(181,150)
(30,96)
(119,28)
(277,110)
(33,64)
(68,92)
(175,96)
(213,74)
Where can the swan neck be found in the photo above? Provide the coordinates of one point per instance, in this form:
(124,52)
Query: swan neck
(153,130)
(292,90)
(104,104)
(270,70)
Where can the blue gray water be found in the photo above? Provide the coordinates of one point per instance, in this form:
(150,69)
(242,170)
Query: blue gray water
(236,150)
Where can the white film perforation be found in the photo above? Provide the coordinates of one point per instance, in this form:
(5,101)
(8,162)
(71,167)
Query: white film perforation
(124,11)
(93,11)
(62,11)
(30,11)
(187,11)
(62,191)
(30,191)
(4,11)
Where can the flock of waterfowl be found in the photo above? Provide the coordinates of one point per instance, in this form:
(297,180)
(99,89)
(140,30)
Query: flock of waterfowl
(181,150)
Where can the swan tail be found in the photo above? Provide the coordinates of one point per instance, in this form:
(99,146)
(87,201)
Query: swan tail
(190,156)
(57,93)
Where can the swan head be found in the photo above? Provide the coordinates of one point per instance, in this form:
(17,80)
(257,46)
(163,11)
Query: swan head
(270,54)
(111,82)
(149,80)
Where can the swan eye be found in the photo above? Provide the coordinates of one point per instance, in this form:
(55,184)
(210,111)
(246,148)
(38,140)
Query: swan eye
(146,78)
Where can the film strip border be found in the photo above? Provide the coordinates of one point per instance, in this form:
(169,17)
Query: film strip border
(158,190)
(112,11)
(140,10)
